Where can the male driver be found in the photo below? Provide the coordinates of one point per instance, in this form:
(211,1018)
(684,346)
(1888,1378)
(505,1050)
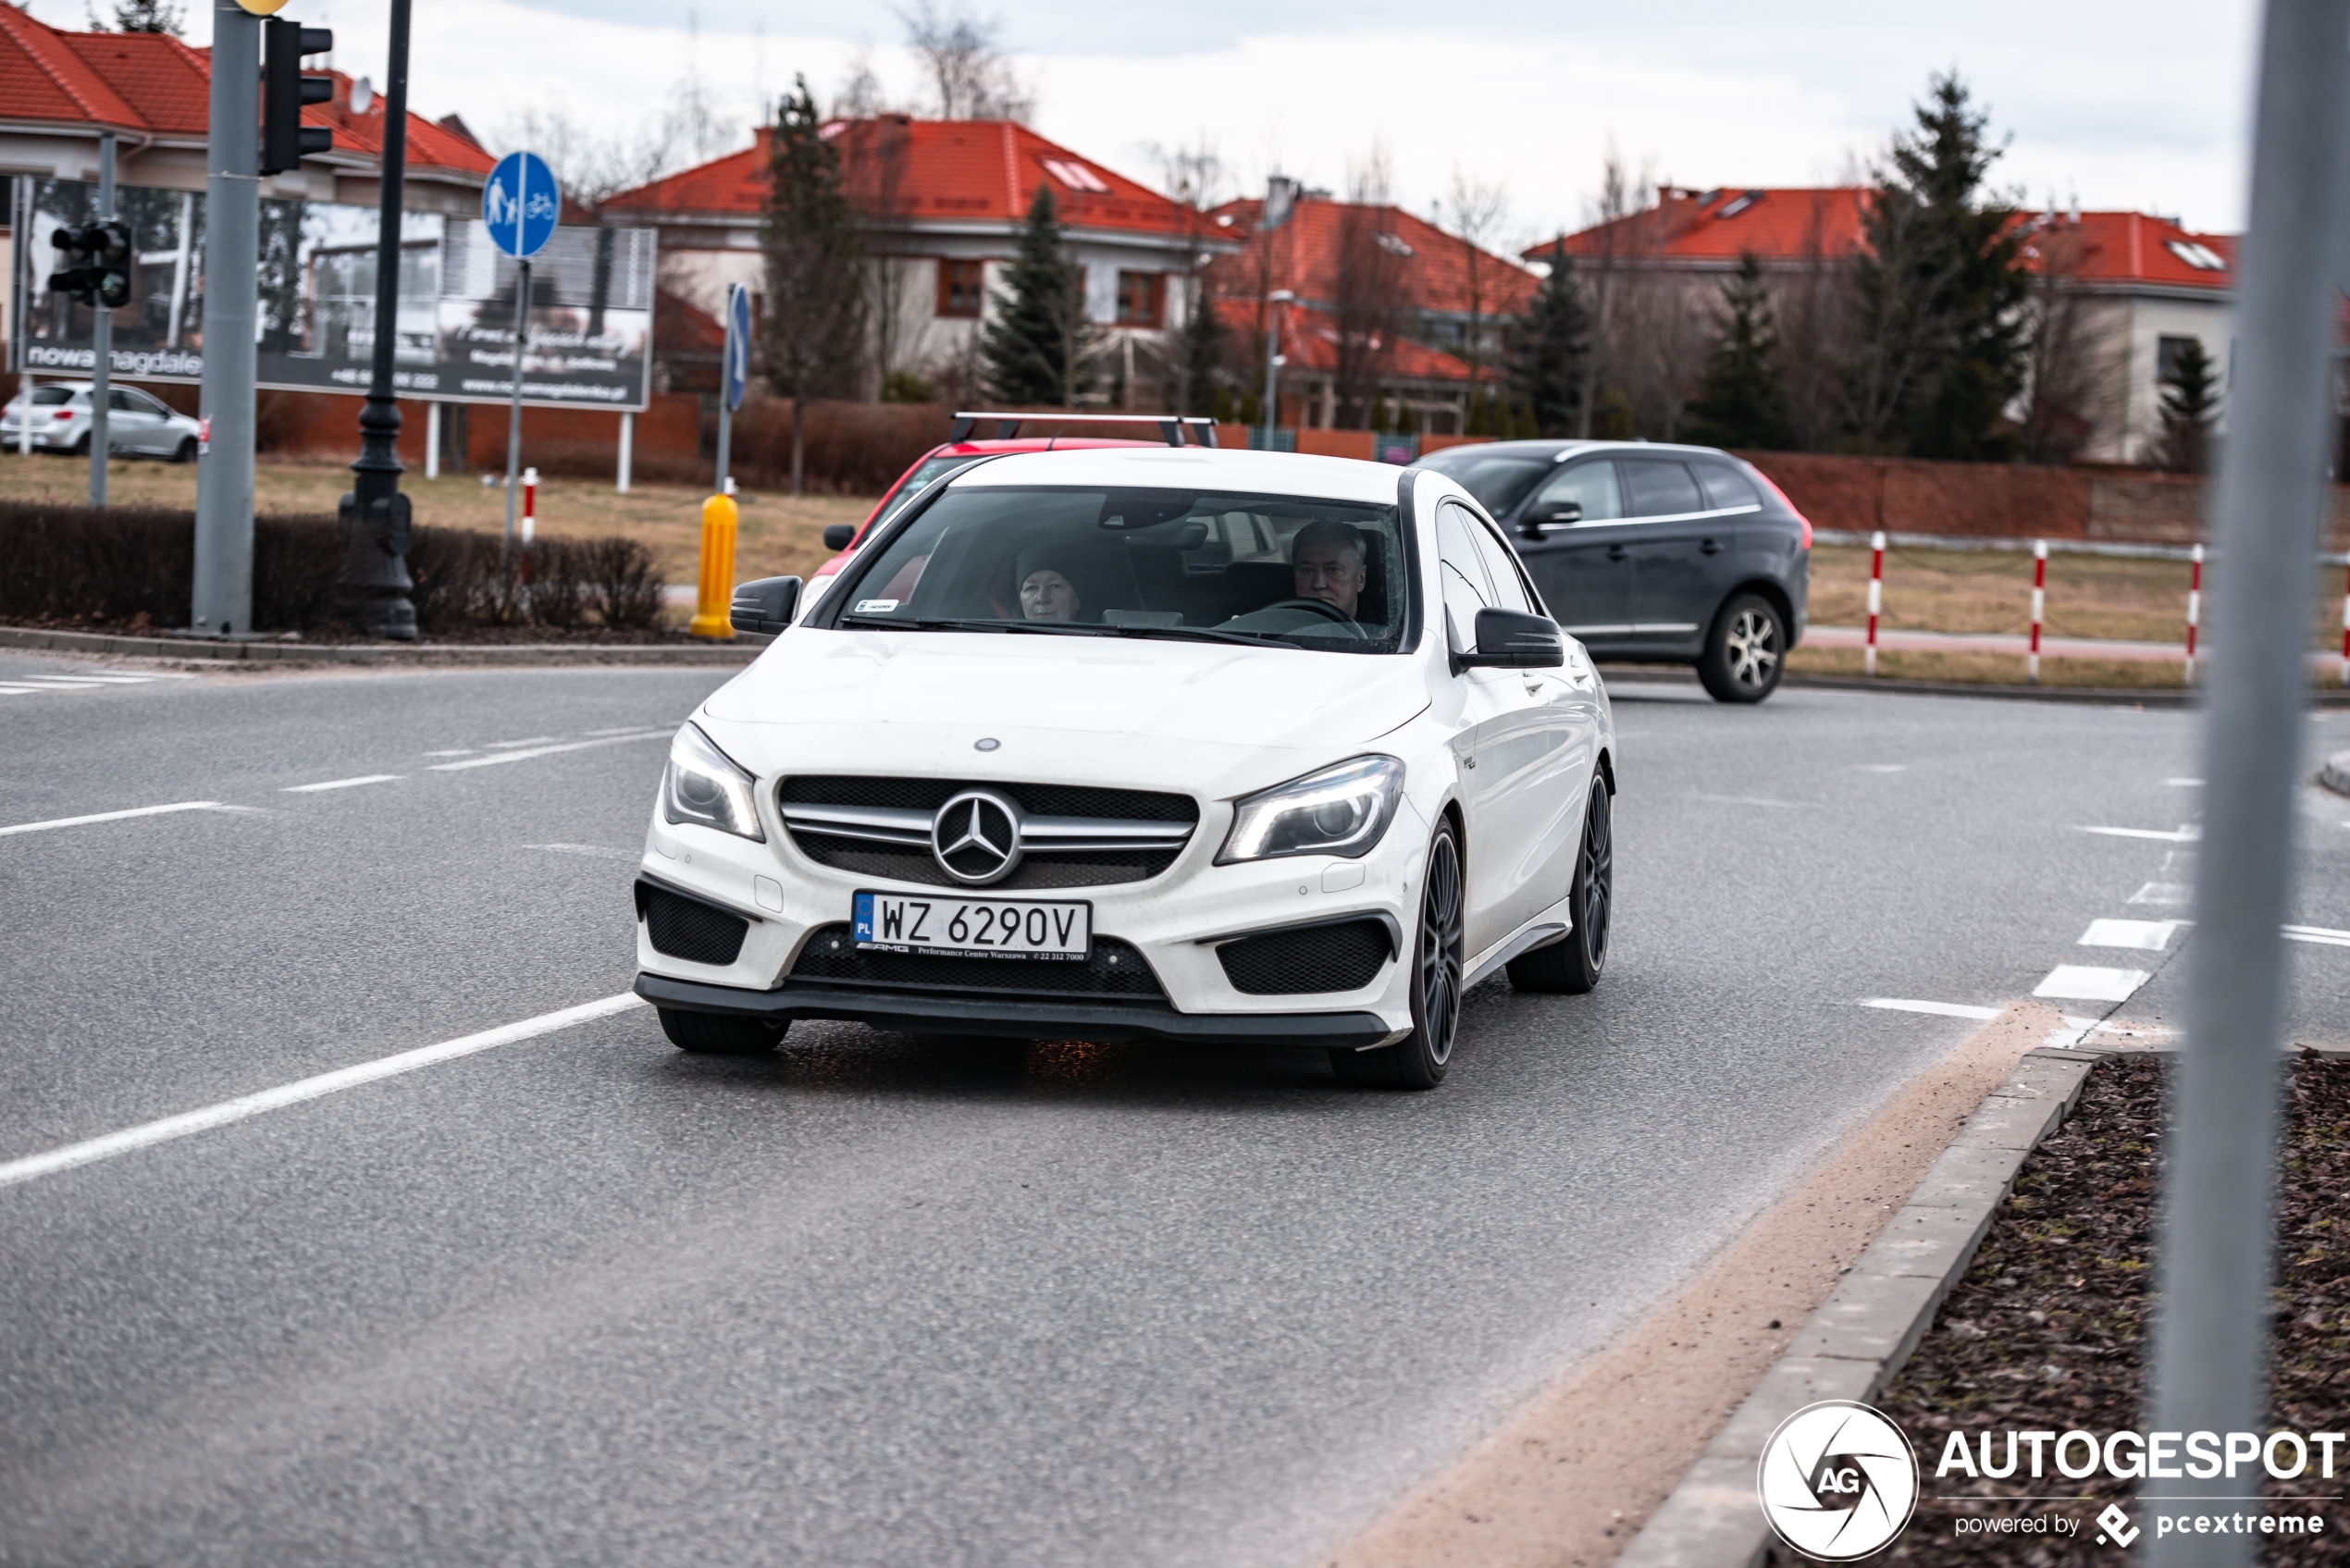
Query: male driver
(1328,558)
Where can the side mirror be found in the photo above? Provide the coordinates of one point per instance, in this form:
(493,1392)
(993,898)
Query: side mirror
(1511,639)
(766,605)
(1550,518)
(839,536)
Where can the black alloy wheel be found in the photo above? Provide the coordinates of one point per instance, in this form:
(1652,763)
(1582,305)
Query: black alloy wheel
(1418,1061)
(185,451)
(1746,653)
(1571,965)
(720,1035)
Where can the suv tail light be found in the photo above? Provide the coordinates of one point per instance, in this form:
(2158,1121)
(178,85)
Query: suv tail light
(1784,502)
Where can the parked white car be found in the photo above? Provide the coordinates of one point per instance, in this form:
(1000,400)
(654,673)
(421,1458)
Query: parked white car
(137,426)
(1184,745)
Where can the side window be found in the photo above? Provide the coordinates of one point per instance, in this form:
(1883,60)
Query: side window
(1466,588)
(1728,489)
(1590,486)
(1661,487)
(120,401)
(1501,569)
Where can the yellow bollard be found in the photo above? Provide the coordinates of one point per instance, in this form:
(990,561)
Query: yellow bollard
(719,516)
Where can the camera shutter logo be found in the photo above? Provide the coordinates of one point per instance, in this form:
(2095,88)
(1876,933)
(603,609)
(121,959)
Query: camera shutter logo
(1837,1481)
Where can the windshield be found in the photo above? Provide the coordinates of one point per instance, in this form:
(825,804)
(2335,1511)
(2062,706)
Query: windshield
(924,472)
(1498,480)
(1188,565)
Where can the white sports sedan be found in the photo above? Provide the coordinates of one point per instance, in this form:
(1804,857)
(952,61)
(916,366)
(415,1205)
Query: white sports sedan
(1179,744)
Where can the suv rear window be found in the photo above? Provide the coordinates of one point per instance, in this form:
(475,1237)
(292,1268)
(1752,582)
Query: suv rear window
(1725,486)
(1498,480)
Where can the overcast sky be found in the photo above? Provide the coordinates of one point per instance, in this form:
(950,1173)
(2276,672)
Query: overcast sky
(2140,104)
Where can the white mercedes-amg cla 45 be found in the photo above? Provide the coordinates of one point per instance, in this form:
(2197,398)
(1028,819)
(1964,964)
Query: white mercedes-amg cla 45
(1178,745)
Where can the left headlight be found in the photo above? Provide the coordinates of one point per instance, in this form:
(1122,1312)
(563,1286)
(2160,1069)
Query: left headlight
(1341,810)
(703,786)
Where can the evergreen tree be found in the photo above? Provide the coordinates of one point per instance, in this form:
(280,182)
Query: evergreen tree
(815,326)
(1202,354)
(1551,345)
(2190,403)
(1942,289)
(142,16)
(1743,401)
(1037,347)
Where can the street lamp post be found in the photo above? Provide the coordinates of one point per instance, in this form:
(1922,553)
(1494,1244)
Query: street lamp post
(376,515)
(1274,360)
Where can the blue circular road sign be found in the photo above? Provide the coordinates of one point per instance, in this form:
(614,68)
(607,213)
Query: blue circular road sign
(520,205)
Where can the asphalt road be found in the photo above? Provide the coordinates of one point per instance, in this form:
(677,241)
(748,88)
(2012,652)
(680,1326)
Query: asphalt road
(584,1300)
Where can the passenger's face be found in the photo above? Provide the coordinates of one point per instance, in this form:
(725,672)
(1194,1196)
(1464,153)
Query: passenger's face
(1046,595)
(1330,573)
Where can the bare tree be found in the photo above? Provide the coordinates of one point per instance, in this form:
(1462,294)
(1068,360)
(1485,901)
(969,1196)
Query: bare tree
(1370,292)
(859,95)
(592,164)
(1812,297)
(2073,367)
(1477,212)
(1196,177)
(1621,196)
(964,58)
(876,153)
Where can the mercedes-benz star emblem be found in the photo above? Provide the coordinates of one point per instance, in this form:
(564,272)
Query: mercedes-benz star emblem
(975,837)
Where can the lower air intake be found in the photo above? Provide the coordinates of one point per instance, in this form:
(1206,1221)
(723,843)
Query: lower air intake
(689,929)
(1346,957)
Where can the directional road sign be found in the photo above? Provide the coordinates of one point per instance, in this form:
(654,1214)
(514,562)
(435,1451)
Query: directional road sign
(738,344)
(520,204)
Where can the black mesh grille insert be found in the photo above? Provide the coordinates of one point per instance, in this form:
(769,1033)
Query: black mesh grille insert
(1039,868)
(1116,971)
(1091,868)
(683,928)
(1331,958)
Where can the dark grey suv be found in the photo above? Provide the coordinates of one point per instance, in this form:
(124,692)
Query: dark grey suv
(1660,555)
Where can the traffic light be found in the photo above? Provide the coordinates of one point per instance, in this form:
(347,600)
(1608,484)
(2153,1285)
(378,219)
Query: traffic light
(284,90)
(94,267)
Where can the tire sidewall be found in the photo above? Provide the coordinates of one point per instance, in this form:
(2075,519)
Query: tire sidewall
(1714,668)
(1418,1044)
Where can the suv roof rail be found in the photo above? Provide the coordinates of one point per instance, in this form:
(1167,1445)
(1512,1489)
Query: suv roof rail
(1170,425)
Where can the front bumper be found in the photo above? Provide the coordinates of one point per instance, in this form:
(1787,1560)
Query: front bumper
(1105,1023)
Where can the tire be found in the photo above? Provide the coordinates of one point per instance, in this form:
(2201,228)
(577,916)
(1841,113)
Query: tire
(1746,653)
(1418,1061)
(79,448)
(720,1035)
(1571,965)
(185,451)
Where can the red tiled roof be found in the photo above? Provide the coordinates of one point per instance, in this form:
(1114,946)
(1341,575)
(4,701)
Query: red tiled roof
(1309,343)
(1306,252)
(1787,224)
(972,171)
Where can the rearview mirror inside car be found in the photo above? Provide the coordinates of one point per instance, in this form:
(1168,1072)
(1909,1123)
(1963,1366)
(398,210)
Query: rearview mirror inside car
(765,605)
(1551,517)
(1511,639)
(839,536)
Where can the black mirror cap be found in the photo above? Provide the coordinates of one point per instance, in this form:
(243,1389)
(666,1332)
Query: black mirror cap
(1511,639)
(767,604)
(839,536)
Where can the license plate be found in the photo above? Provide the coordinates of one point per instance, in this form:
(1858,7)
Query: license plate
(973,928)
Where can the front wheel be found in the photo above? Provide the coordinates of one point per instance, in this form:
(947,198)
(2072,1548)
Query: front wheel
(185,451)
(1746,653)
(720,1035)
(1418,1061)
(1571,965)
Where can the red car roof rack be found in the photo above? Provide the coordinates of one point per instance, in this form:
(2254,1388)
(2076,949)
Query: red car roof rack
(1170,425)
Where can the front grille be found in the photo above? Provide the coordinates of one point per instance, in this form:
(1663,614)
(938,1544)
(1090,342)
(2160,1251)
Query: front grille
(1116,971)
(1345,957)
(1130,838)
(689,929)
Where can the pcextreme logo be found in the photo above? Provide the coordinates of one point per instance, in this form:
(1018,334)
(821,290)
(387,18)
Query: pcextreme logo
(1837,1481)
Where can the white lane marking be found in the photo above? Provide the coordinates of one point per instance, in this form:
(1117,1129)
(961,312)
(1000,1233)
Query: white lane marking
(102,680)
(2147,936)
(2318,935)
(2163,892)
(595,851)
(510,744)
(545,751)
(57,682)
(190,1122)
(2087,983)
(1881,767)
(119,816)
(1755,801)
(2187,833)
(2184,784)
(1940,1009)
(459,751)
(622,730)
(342,783)
(18,691)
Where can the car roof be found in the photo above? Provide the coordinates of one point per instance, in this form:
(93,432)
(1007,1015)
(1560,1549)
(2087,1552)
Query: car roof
(1561,451)
(1033,443)
(1161,467)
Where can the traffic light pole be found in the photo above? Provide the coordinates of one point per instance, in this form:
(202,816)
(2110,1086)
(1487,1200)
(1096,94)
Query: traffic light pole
(223,597)
(101,343)
(375,582)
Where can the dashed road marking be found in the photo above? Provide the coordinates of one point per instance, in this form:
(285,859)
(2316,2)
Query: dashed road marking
(2147,936)
(2088,982)
(545,751)
(2173,894)
(2184,784)
(1881,768)
(1940,1009)
(2318,935)
(120,815)
(342,783)
(458,751)
(593,851)
(510,744)
(2186,834)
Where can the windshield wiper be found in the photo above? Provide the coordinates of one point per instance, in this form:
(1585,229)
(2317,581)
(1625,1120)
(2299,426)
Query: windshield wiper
(1055,628)
(1202,633)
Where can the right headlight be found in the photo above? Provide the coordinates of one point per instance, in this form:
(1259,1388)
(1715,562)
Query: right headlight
(1342,811)
(704,785)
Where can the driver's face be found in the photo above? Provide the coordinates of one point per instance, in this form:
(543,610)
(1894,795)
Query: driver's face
(1332,574)
(1046,595)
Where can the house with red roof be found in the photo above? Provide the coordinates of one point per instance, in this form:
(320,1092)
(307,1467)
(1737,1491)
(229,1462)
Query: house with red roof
(2142,287)
(942,203)
(1388,308)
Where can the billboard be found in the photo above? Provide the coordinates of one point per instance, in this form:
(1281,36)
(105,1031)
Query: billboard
(591,316)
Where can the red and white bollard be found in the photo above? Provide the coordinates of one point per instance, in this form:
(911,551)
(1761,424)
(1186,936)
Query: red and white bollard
(1877,600)
(529,503)
(2039,602)
(2195,610)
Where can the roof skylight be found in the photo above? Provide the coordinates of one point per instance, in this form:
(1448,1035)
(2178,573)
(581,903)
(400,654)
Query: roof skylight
(2203,258)
(1074,175)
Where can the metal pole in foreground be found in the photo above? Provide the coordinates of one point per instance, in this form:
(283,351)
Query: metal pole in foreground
(376,515)
(2213,1252)
(223,595)
(725,403)
(101,345)
(1273,361)
(513,406)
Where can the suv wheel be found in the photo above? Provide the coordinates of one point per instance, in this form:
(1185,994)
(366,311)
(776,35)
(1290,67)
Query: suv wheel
(1746,653)
(1572,964)
(1418,1061)
(720,1035)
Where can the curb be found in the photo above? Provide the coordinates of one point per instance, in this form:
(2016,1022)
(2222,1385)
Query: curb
(1867,1328)
(2335,775)
(742,651)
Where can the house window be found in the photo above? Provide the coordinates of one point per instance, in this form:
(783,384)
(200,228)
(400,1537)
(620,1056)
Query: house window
(2167,351)
(1141,298)
(962,287)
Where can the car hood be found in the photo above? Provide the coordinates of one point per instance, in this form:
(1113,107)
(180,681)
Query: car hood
(921,699)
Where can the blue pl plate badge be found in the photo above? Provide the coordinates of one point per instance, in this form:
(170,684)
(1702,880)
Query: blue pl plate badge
(864,923)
